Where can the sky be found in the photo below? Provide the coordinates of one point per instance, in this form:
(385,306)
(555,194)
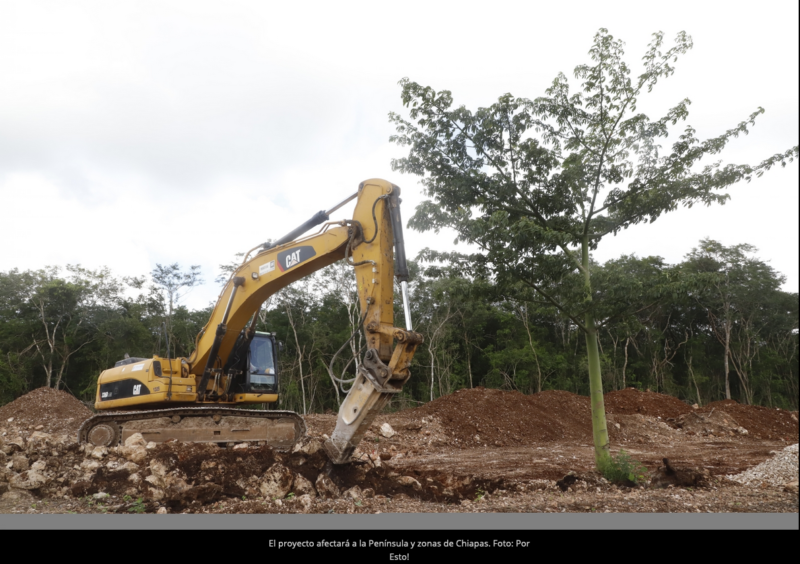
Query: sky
(142,133)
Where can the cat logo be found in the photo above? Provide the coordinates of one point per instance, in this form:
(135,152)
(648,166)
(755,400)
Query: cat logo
(292,257)
(137,389)
(105,394)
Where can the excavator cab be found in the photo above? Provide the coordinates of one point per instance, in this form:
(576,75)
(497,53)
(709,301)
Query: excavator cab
(262,375)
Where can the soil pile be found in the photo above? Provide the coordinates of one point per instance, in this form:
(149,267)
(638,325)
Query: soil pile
(55,411)
(480,416)
(631,401)
(760,422)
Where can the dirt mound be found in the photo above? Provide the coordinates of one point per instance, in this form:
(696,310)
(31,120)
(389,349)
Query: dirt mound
(480,416)
(760,422)
(55,410)
(631,401)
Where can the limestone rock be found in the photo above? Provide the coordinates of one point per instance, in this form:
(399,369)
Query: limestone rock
(99,452)
(19,463)
(305,502)
(303,487)
(18,496)
(29,480)
(129,467)
(409,481)
(791,487)
(308,446)
(135,453)
(387,431)
(135,440)
(325,486)
(355,493)
(158,468)
(90,465)
(368,493)
(39,436)
(276,482)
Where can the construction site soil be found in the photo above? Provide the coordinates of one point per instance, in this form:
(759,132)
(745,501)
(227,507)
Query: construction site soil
(477,450)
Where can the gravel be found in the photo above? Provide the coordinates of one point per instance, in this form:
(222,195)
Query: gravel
(777,471)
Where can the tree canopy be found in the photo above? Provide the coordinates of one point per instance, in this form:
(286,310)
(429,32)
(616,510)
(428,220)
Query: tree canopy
(536,184)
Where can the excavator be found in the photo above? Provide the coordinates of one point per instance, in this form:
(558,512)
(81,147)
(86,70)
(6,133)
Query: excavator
(202,398)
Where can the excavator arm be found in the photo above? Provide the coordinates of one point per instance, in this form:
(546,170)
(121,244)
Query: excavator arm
(368,242)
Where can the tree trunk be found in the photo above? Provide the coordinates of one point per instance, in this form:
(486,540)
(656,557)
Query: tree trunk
(727,354)
(599,426)
(625,366)
(469,361)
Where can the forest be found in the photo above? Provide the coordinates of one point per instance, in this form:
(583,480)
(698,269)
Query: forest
(715,326)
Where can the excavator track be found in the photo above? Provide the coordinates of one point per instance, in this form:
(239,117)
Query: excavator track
(279,429)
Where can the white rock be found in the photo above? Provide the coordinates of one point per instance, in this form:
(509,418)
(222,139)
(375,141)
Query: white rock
(39,465)
(30,480)
(162,511)
(90,465)
(311,446)
(305,502)
(355,493)
(241,446)
(99,452)
(130,467)
(135,439)
(134,453)
(387,431)
(303,487)
(10,419)
(158,468)
(409,481)
(101,495)
(325,486)
(134,478)
(276,482)
(151,445)
(157,481)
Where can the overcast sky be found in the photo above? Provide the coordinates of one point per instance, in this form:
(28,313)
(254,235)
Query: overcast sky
(136,133)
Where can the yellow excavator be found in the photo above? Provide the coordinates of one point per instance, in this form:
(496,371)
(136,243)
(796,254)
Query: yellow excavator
(200,398)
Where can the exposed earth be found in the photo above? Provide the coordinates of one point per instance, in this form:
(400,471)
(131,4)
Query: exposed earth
(478,450)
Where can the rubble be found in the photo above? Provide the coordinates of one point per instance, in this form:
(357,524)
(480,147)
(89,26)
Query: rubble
(780,470)
(475,450)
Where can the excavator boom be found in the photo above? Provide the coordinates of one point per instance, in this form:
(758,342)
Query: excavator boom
(193,398)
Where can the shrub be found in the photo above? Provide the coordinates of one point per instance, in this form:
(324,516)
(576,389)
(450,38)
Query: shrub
(623,470)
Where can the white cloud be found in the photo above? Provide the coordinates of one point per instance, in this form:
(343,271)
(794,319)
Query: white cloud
(133,133)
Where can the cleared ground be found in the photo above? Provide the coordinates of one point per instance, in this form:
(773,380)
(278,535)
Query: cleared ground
(473,451)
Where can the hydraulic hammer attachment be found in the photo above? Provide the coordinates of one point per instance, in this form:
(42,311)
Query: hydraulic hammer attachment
(375,383)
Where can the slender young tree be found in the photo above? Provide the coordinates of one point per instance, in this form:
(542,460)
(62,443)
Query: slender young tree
(536,184)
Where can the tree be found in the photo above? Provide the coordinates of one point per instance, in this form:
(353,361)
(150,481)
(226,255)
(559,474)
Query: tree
(536,184)
(171,280)
(738,296)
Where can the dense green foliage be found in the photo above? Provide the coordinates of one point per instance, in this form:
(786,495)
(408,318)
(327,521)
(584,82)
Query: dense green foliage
(476,333)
